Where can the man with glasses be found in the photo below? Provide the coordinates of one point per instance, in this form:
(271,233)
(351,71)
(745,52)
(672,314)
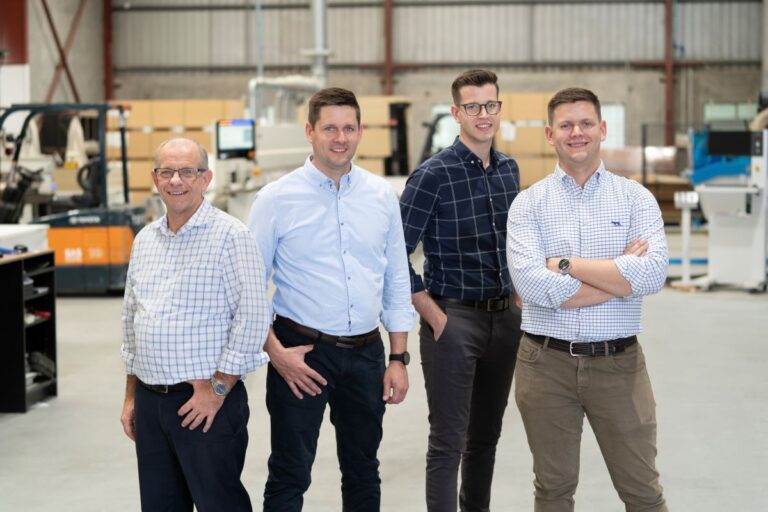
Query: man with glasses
(332,240)
(195,317)
(584,247)
(456,205)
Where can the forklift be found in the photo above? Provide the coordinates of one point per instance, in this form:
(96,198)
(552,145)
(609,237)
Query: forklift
(92,239)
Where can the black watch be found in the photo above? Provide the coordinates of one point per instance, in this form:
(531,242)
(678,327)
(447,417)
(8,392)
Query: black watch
(404,358)
(564,265)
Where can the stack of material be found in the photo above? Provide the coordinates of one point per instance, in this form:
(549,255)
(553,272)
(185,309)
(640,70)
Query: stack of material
(150,122)
(377,144)
(521,135)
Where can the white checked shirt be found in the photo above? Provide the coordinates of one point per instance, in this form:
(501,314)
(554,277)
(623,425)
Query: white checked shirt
(556,218)
(194,300)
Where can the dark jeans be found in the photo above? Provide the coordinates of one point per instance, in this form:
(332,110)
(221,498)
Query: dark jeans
(468,376)
(355,386)
(179,467)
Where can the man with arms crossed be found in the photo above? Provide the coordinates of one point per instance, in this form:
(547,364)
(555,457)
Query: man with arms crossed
(584,246)
(332,239)
(195,317)
(456,204)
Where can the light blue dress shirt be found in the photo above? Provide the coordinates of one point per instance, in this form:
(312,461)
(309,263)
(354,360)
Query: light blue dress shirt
(337,257)
(557,218)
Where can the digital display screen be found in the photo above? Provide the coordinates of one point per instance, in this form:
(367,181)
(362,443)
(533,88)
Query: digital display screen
(726,143)
(234,137)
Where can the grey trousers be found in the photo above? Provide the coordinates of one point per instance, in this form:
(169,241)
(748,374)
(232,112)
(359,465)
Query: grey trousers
(468,376)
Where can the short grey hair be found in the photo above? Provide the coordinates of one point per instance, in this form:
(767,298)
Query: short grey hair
(202,162)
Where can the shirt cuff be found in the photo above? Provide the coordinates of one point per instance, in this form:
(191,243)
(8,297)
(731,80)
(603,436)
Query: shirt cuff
(398,320)
(232,362)
(564,288)
(629,268)
(128,359)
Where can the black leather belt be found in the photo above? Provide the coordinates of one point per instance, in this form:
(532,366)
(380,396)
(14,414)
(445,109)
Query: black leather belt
(359,340)
(167,388)
(491,305)
(585,349)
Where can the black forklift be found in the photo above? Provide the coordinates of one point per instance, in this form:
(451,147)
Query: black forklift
(92,239)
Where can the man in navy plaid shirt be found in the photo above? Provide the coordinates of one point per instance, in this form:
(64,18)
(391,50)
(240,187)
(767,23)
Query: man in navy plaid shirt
(456,205)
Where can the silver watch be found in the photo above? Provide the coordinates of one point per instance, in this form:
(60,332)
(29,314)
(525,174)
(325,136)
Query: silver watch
(220,388)
(564,265)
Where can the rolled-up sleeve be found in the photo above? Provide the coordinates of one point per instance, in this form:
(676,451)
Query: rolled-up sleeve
(398,314)
(645,274)
(417,206)
(535,283)
(244,283)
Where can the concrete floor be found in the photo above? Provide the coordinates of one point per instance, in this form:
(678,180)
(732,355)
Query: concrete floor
(705,356)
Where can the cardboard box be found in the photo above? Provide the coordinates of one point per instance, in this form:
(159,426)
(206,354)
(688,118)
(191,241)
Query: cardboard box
(138,145)
(167,114)
(533,169)
(204,138)
(376,142)
(527,106)
(202,113)
(373,165)
(374,110)
(138,115)
(512,139)
(157,137)
(140,174)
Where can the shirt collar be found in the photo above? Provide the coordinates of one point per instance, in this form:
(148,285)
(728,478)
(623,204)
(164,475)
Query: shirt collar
(595,178)
(199,219)
(466,155)
(320,180)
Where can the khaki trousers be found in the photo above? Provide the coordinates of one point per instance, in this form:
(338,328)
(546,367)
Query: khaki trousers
(554,391)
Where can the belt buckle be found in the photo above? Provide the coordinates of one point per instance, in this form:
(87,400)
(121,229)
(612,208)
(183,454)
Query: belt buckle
(346,342)
(494,305)
(161,388)
(570,349)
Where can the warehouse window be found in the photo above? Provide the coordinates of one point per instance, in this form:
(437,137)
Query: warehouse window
(614,118)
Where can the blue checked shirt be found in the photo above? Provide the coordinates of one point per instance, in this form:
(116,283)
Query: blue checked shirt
(458,210)
(194,300)
(556,218)
(338,256)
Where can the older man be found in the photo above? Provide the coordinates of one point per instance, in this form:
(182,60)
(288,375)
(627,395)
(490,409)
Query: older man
(195,318)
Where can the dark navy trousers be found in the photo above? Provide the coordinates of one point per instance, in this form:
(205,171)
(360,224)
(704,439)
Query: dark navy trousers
(178,467)
(355,386)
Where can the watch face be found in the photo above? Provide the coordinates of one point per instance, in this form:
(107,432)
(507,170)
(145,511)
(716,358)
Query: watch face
(404,358)
(219,388)
(564,265)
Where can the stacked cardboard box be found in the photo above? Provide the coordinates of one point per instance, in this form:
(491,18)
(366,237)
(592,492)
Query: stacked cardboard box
(376,145)
(150,122)
(521,135)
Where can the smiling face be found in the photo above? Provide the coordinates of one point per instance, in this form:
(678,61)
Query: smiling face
(182,197)
(576,132)
(334,139)
(476,132)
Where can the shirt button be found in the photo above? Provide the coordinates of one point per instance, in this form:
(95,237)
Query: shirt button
(349,278)
(342,224)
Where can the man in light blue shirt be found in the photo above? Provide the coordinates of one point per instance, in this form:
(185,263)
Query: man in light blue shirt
(332,241)
(584,246)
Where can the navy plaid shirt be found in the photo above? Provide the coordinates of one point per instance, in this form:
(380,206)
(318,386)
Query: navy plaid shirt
(458,211)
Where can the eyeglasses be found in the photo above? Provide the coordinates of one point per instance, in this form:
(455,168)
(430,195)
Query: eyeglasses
(473,109)
(185,173)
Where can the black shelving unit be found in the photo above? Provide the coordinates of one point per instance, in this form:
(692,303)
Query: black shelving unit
(27,330)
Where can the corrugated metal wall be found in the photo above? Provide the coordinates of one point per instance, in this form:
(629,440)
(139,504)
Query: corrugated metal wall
(167,34)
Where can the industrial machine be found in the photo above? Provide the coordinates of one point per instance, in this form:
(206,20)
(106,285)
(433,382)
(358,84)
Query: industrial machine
(91,238)
(235,176)
(729,175)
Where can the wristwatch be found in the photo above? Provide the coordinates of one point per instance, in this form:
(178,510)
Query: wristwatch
(219,387)
(404,358)
(564,265)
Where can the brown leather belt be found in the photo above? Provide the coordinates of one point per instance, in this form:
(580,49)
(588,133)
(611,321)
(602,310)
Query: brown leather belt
(167,388)
(359,340)
(491,305)
(585,349)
